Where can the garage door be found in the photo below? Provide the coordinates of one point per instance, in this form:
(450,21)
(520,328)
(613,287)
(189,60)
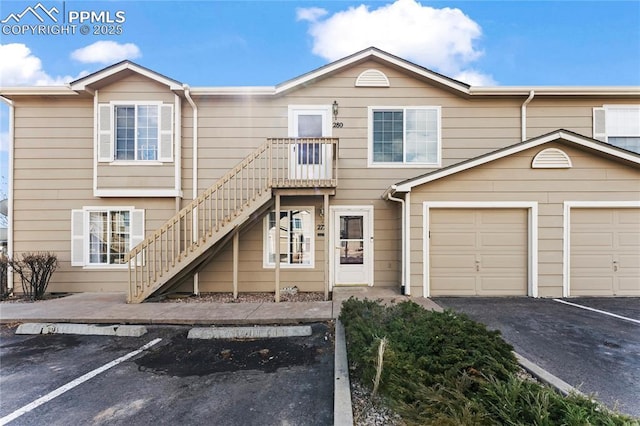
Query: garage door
(478,252)
(605,252)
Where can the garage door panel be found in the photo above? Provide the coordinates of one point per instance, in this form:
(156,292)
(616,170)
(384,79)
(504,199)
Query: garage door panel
(489,256)
(453,286)
(503,239)
(629,217)
(504,261)
(592,261)
(502,217)
(585,241)
(452,217)
(593,217)
(448,262)
(605,252)
(501,286)
(629,261)
(453,240)
(630,240)
(629,286)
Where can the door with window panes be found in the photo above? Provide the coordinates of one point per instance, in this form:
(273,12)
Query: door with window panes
(310,159)
(353,246)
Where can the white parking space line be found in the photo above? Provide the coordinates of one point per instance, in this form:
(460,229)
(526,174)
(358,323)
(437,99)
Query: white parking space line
(72,384)
(598,311)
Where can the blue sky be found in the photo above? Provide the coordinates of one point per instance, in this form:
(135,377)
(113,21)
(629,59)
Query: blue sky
(253,43)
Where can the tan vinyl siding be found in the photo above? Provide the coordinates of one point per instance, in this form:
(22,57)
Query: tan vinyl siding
(132,176)
(546,114)
(231,127)
(135,88)
(592,178)
(48,186)
(252,276)
(113,176)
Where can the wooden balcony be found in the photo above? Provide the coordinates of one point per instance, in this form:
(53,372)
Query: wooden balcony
(188,239)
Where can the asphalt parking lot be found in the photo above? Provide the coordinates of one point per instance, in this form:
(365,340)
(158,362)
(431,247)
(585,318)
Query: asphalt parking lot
(597,353)
(277,381)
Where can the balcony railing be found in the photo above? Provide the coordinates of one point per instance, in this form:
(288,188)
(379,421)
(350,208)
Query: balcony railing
(278,163)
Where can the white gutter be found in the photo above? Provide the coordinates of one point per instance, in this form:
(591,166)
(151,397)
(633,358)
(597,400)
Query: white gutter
(194,149)
(12,116)
(387,196)
(523,115)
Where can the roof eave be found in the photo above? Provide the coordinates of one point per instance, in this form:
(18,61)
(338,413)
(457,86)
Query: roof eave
(36,91)
(84,82)
(408,185)
(557,90)
(371,52)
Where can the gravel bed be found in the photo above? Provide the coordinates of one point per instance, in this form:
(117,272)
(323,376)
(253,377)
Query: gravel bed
(285,296)
(369,410)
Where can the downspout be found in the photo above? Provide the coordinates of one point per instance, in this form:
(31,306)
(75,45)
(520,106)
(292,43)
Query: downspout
(10,190)
(194,149)
(523,115)
(387,196)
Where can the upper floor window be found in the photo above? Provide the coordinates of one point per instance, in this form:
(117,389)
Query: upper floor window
(135,132)
(618,125)
(404,136)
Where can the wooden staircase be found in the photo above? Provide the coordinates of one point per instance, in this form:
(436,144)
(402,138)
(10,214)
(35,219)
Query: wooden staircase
(191,238)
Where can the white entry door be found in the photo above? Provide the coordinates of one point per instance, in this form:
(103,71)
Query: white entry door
(352,240)
(309,159)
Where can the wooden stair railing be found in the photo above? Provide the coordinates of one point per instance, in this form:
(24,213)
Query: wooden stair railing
(227,204)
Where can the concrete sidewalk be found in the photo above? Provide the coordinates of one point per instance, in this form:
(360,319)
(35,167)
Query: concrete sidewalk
(111,308)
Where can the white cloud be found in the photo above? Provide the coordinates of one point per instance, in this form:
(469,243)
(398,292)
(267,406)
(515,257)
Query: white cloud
(106,52)
(311,14)
(475,78)
(20,67)
(440,39)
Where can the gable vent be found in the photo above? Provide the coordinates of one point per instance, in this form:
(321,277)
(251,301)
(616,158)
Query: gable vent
(372,78)
(551,158)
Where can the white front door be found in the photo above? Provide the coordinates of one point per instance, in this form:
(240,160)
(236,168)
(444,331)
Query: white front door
(310,159)
(352,241)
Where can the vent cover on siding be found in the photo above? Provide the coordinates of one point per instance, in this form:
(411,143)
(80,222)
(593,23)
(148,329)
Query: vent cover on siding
(551,158)
(372,78)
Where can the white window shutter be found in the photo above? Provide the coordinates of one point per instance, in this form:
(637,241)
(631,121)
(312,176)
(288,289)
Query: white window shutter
(77,238)
(137,231)
(166,133)
(105,133)
(599,124)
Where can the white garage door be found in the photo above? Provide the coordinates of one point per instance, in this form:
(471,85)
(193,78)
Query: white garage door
(605,252)
(479,252)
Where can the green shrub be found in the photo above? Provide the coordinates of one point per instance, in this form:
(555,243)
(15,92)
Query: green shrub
(423,345)
(442,368)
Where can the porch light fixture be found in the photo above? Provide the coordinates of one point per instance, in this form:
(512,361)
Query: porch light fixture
(334,109)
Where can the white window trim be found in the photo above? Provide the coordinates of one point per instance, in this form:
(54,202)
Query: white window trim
(604,134)
(103,266)
(568,205)
(532,234)
(135,104)
(265,240)
(373,164)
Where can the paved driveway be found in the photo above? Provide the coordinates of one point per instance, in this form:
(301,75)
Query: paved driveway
(595,352)
(175,381)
